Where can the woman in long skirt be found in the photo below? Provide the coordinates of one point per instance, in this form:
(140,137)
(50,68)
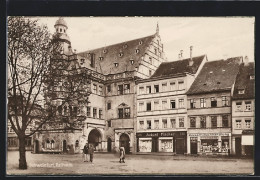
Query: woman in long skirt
(122,154)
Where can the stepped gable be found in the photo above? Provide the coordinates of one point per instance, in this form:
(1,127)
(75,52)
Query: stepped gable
(179,67)
(111,55)
(216,76)
(243,82)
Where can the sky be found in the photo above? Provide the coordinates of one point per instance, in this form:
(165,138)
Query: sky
(217,37)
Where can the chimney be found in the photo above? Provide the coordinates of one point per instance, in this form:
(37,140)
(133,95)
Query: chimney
(191,61)
(246,61)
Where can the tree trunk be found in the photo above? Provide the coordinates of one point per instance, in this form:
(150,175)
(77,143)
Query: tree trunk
(22,156)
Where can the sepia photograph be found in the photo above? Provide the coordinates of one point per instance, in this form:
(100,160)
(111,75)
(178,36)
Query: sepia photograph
(130,95)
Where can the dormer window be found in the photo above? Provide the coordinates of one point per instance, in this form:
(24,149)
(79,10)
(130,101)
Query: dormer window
(252,77)
(101,58)
(140,42)
(116,64)
(137,51)
(125,46)
(82,61)
(105,51)
(241,91)
(131,61)
(121,54)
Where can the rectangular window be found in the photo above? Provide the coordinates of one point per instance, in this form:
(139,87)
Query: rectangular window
(164,123)
(120,113)
(156,124)
(94,88)
(156,105)
(108,105)
(127,88)
(192,103)
(94,113)
(248,106)
(181,85)
(238,106)
(100,114)
(213,102)
(156,88)
(164,87)
(225,121)
(148,106)
(238,124)
(120,89)
(75,111)
(109,88)
(224,101)
(181,122)
(192,122)
(141,106)
(248,123)
(101,90)
(202,122)
(202,102)
(148,90)
(141,90)
(141,124)
(173,105)
(88,111)
(172,86)
(173,123)
(164,104)
(181,103)
(127,112)
(109,123)
(214,121)
(149,124)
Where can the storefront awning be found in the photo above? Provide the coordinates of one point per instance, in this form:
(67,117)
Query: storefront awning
(247,140)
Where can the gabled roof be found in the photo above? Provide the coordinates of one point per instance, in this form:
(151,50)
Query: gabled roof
(216,76)
(179,67)
(111,55)
(243,82)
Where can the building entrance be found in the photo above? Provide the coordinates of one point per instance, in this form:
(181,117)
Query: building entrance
(238,146)
(94,138)
(125,142)
(180,146)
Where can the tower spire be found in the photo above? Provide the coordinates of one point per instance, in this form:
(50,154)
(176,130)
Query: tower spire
(157,28)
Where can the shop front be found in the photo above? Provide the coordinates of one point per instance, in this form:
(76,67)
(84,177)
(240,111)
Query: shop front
(247,143)
(174,142)
(209,143)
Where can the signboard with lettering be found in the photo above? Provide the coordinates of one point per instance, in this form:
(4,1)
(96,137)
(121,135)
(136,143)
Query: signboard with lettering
(208,134)
(160,134)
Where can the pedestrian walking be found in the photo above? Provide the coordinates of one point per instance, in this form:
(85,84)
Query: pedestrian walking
(91,152)
(86,152)
(122,155)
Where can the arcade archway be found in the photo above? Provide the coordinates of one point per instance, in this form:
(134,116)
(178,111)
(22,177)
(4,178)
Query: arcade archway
(124,141)
(94,138)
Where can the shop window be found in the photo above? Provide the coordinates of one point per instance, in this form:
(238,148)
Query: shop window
(225,121)
(94,88)
(192,122)
(192,104)
(88,111)
(164,87)
(127,88)
(100,114)
(156,88)
(202,122)
(248,106)
(164,104)
(109,88)
(108,105)
(181,103)
(202,102)
(181,122)
(156,124)
(94,112)
(141,106)
(156,105)
(214,121)
(148,106)
(148,90)
(239,106)
(225,144)
(181,85)
(120,89)
(173,105)
(173,123)
(238,124)
(141,124)
(141,90)
(248,123)
(164,123)
(224,101)
(209,146)
(101,90)
(149,124)
(213,102)
(166,145)
(172,86)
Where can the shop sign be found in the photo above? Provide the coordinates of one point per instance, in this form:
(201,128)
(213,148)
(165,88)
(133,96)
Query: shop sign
(160,134)
(208,134)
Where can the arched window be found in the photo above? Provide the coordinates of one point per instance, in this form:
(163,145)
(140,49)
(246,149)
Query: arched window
(48,145)
(52,144)
(65,110)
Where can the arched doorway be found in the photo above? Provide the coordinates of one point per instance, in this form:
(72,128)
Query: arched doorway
(94,138)
(64,146)
(109,142)
(36,146)
(125,142)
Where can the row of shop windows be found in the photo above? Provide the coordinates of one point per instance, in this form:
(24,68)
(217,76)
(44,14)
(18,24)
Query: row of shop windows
(213,102)
(161,124)
(164,87)
(213,119)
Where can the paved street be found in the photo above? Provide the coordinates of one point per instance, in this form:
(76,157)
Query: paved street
(57,164)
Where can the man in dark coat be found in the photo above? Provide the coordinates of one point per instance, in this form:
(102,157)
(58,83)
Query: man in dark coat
(91,152)
(86,152)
